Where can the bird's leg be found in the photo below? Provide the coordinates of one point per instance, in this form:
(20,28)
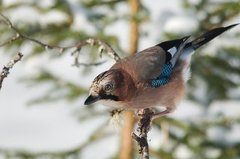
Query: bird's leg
(160,114)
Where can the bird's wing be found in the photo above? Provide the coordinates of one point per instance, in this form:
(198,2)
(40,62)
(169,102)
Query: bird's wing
(143,66)
(148,63)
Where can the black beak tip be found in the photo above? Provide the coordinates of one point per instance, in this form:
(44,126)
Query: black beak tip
(91,99)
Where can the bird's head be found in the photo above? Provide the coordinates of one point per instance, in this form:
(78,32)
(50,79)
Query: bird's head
(106,86)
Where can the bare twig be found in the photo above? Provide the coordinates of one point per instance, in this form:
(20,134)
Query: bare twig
(14,38)
(144,125)
(88,64)
(20,35)
(10,64)
(103,46)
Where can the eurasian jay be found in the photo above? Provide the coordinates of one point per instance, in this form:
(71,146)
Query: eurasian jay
(153,77)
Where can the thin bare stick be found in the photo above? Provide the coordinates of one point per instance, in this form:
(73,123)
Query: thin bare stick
(144,125)
(5,71)
(14,38)
(89,64)
(103,46)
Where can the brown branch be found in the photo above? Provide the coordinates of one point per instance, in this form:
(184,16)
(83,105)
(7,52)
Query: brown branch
(103,46)
(144,125)
(88,64)
(10,64)
(20,35)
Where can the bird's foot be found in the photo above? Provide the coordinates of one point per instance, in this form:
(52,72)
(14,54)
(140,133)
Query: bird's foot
(141,112)
(116,118)
(116,112)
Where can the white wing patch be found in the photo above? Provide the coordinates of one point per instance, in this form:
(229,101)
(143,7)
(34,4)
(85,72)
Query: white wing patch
(172,51)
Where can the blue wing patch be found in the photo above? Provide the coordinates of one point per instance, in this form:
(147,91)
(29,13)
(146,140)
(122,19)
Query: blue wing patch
(164,76)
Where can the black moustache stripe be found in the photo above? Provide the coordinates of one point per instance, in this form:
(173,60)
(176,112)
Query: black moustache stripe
(109,97)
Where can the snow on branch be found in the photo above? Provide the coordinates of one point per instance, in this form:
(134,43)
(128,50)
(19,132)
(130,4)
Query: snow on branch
(5,71)
(144,125)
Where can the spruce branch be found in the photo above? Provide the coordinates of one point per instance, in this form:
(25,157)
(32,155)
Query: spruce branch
(6,69)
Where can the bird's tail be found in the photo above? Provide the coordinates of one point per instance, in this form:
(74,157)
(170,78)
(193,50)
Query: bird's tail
(191,46)
(208,36)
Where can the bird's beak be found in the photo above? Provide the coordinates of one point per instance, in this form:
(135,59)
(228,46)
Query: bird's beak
(91,99)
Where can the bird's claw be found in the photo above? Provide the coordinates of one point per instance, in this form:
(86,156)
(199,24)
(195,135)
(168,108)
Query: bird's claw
(116,112)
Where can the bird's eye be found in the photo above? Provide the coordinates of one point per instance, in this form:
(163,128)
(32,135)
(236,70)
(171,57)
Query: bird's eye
(108,87)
